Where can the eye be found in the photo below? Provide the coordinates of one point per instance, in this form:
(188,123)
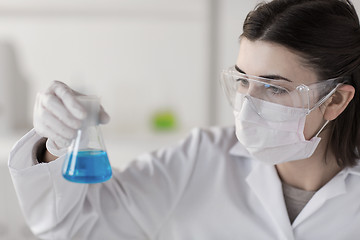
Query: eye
(275,90)
(243,81)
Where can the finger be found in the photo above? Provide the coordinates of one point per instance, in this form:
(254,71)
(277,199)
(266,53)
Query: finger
(57,126)
(104,117)
(55,106)
(47,132)
(67,96)
(59,141)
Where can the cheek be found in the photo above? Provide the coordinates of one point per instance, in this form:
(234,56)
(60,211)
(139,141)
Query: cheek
(314,121)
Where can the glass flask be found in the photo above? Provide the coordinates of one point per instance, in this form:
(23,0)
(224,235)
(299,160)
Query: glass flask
(86,160)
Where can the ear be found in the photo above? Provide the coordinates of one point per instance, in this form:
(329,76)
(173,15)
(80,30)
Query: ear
(339,101)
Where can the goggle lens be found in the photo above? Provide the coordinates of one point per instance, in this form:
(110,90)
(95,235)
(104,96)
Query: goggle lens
(278,92)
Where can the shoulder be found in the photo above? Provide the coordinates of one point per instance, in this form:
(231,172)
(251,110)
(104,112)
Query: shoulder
(353,171)
(212,143)
(215,136)
(199,143)
(205,145)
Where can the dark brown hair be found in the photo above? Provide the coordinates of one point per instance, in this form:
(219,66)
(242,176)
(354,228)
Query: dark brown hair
(326,34)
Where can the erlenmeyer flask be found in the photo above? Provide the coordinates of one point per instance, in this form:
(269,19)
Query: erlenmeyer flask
(87,160)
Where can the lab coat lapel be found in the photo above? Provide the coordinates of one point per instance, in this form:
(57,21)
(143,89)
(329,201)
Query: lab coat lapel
(265,183)
(333,188)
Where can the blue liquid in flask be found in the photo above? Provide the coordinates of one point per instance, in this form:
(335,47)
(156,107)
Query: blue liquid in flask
(90,166)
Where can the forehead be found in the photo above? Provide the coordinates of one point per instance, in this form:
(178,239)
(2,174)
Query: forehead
(260,58)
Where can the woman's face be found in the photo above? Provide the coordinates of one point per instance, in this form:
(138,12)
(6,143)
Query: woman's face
(260,58)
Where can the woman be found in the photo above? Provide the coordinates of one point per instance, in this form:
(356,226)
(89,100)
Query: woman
(292,173)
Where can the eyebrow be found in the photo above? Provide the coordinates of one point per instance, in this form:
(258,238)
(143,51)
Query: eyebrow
(274,77)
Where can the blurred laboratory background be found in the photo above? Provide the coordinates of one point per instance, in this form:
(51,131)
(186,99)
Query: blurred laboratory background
(154,63)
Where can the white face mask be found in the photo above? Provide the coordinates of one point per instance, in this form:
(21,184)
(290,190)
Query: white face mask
(273,142)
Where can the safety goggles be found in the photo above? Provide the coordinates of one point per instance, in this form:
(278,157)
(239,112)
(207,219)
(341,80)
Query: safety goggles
(276,91)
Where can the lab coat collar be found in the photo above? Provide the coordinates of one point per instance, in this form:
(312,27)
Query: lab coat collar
(239,150)
(335,187)
(265,183)
(354,170)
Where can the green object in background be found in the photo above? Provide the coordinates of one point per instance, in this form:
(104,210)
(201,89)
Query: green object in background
(164,120)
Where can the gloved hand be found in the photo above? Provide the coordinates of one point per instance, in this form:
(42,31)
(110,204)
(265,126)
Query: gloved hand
(58,115)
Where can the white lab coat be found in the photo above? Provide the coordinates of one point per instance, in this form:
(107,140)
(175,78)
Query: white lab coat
(204,188)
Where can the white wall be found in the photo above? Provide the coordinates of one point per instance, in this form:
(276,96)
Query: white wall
(139,56)
(357,5)
(232,14)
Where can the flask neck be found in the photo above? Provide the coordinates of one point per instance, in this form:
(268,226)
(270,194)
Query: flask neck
(91,104)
